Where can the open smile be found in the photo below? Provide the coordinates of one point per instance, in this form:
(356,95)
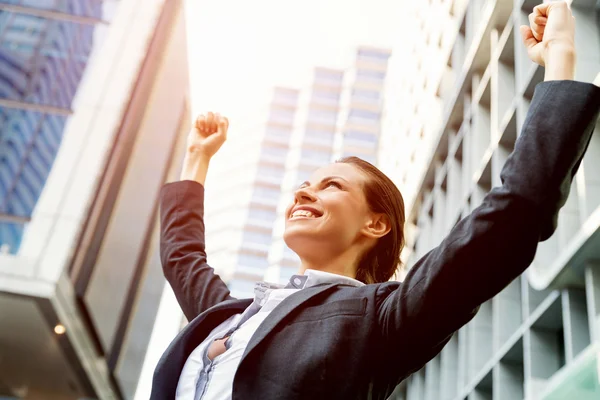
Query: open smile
(303,212)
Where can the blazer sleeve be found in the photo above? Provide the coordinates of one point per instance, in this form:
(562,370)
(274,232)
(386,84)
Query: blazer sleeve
(498,240)
(182,249)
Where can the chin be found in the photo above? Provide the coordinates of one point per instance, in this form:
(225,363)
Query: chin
(296,237)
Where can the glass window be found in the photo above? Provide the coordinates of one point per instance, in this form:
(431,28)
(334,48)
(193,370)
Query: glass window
(323,156)
(257,237)
(326,94)
(363,116)
(327,97)
(270,171)
(319,136)
(252,264)
(266,192)
(370,75)
(322,116)
(285,96)
(273,150)
(366,96)
(42,62)
(325,75)
(278,132)
(374,55)
(241,288)
(282,115)
(361,136)
(262,214)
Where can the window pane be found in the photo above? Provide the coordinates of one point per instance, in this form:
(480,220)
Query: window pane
(316,155)
(265,193)
(373,55)
(257,237)
(283,96)
(42,61)
(262,214)
(272,150)
(241,288)
(328,76)
(361,136)
(282,115)
(319,136)
(251,264)
(278,132)
(322,116)
(363,116)
(10,237)
(369,75)
(270,172)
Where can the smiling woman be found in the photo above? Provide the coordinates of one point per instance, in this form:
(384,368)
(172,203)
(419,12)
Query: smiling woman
(355,204)
(340,329)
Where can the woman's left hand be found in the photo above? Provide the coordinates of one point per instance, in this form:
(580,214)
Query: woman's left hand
(550,39)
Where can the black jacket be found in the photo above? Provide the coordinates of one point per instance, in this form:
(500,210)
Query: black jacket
(341,342)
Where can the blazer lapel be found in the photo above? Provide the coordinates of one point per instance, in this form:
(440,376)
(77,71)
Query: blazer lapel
(283,310)
(168,369)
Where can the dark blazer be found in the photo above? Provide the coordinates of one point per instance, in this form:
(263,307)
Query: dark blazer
(340,342)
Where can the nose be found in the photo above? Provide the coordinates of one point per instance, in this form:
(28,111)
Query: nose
(304,194)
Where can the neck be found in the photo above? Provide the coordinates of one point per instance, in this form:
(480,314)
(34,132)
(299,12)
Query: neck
(343,264)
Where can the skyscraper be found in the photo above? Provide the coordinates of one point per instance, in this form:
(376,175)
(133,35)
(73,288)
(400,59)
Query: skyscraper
(244,190)
(465,85)
(91,117)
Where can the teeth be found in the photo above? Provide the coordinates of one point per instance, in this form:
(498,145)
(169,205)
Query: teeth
(303,213)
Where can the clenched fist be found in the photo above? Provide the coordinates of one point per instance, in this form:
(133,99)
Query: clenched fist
(552,26)
(208,135)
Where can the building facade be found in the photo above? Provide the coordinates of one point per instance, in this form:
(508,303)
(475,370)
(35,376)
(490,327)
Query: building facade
(244,190)
(463,99)
(91,122)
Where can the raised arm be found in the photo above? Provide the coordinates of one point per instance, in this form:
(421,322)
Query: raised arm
(182,244)
(498,241)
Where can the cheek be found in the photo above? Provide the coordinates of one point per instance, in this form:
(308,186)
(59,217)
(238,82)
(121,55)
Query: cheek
(343,211)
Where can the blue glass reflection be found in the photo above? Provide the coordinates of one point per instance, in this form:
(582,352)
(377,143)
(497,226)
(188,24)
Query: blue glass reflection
(44,48)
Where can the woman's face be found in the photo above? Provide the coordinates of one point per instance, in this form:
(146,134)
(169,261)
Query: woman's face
(328,212)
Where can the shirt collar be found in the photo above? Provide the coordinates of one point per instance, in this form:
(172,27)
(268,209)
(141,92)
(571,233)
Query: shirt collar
(314,277)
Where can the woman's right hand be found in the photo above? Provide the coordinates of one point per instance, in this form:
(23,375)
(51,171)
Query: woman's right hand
(204,140)
(208,135)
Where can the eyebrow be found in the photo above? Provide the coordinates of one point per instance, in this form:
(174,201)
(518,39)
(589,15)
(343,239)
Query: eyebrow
(327,178)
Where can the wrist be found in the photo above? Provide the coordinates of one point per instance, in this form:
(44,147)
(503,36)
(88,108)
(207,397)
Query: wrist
(559,61)
(195,167)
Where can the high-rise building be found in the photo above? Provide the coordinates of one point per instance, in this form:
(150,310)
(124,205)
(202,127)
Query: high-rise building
(245,186)
(253,179)
(93,111)
(465,83)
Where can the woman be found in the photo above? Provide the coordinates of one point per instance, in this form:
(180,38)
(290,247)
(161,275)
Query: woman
(339,329)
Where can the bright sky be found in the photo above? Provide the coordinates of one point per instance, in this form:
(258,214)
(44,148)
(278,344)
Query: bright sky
(239,49)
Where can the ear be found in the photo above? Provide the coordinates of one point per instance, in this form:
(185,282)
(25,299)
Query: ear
(377,225)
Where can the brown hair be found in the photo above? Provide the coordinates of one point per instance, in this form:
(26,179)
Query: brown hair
(381,262)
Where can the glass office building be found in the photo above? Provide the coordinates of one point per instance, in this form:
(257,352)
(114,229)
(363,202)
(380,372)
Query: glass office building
(464,97)
(90,115)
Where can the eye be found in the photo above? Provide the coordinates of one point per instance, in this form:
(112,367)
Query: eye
(333,183)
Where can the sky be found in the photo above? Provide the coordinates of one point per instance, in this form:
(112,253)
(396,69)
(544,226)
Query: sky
(238,50)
